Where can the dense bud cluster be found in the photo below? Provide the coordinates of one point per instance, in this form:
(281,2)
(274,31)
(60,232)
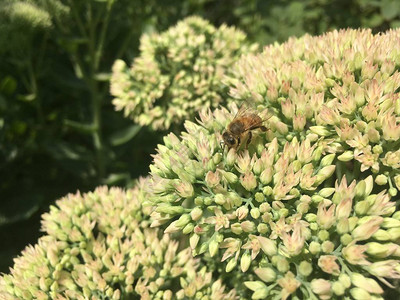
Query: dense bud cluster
(177,73)
(310,207)
(99,246)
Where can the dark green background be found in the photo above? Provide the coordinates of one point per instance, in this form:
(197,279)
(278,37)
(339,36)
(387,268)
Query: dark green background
(58,129)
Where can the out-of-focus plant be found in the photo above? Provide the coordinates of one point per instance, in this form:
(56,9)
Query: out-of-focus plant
(178,72)
(99,245)
(310,207)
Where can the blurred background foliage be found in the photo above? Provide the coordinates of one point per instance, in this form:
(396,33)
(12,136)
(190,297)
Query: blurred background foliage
(58,129)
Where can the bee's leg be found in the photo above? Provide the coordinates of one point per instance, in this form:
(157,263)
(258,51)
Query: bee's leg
(249,136)
(263,128)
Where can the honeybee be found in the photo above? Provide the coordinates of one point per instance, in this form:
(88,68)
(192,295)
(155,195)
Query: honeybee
(240,128)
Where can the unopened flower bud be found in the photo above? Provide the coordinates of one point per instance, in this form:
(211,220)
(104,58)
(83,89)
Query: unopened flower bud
(236,228)
(346,156)
(248,181)
(305,268)
(362,207)
(320,130)
(196,213)
(266,274)
(321,287)
(366,230)
(268,246)
(381,179)
(230,265)
(367,284)
(262,228)
(327,247)
(245,261)
(342,226)
(248,226)
(266,177)
(255,213)
(381,250)
(323,235)
(326,192)
(390,223)
(359,294)
(315,248)
(327,160)
(213,248)
(194,240)
(188,228)
(338,288)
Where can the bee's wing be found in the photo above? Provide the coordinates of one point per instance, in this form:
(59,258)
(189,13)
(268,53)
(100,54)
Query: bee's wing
(245,109)
(248,111)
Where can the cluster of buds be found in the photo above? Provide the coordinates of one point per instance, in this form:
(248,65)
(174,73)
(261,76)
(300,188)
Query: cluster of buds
(177,73)
(99,246)
(310,207)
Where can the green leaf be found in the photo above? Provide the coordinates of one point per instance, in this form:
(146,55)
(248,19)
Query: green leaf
(80,127)
(390,9)
(125,135)
(8,85)
(115,178)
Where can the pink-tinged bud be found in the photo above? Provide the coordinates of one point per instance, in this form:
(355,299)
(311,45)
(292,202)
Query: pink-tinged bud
(366,230)
(212,179)
(299,122)
(367,284)
(327,247)
(229,176)
(266,175)
(242,212)
(387,268)
(248,181)
(287,108)
(289,285)
(248,226)
(268,246)
(266,274)
(231,157)
(184,189)
(326,218)
(172,228)
(320,130)
(194,240)
(293,243)
(344,208)
(354,254)
(196,213)
(321,287)
(328,264)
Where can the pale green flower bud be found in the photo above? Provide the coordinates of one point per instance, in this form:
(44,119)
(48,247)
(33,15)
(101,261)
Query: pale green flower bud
(183,220)
(381,179)
(359,294)
(213,248)
(338,288)
(194,240)
(342,226)
(262,228)
(327,160)
(255,213)
(231,157)
(268,246)
(266,177)
(394,233)
(362,207)
(305,268)
(321,287)
(248,226)
(236,228)
(390,223)
(188,228)
(266,274)
(346,156)
(267,191)
(323,235)
(327,247)
(381,250)
(196,213)
(326,192)
(230,265)
(315,248)
(320,130)
(245,262)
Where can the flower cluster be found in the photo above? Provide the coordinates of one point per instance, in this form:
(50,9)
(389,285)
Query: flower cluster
(310,207)
(99,246)
(177,73)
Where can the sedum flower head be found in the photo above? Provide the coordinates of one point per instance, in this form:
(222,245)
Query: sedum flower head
(320,192)
(177,73)
(99,246)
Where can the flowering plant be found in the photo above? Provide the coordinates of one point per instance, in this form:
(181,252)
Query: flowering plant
(310,207)
(177,73)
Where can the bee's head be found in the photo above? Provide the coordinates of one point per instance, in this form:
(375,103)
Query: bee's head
(229,140)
